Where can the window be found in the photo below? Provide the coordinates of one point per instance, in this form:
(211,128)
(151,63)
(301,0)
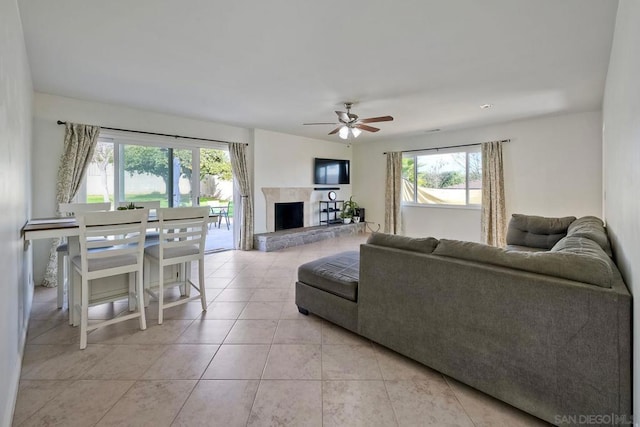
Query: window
(451,178)
(123,169)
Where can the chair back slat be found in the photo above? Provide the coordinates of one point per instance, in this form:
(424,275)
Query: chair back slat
(123,232)
(180,227)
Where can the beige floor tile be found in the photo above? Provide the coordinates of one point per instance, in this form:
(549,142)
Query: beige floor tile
(426,402)
(224,310)
(149,403)
(38,327)
(287,403)
(486,411)
(167,333)
(262,310)
(277,282)
(181,362)
(333,334)
(186,311)
(216,282)
(245,283)
(60,362)
(47,311)
(235,295)
(349,362)
(125,362)
(43,294)
(63,333)
(82,403)
(218,402)
(294,362)
(117,333)
(270,295)
(252,332)
(238,361)
(205,331)
(108,310)
(395,366)
(356,403)
(33,395)
(298,332)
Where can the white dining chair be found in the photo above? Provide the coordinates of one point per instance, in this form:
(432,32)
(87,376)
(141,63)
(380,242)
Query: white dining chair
(71,209)
(183,233)
(123,257)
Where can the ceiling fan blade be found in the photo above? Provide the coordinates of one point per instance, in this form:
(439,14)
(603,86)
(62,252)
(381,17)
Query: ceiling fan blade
(336,130)
(377,119)
(332,123)
(343,117)
(365,127)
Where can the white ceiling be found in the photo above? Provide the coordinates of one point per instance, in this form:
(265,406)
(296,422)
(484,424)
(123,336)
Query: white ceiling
(279,63)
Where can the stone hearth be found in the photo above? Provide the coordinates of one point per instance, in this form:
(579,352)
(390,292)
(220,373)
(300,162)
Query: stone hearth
(268,242)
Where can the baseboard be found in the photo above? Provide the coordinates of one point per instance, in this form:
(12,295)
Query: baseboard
(12,393)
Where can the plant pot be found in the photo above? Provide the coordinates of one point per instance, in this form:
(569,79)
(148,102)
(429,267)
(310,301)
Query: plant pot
(356,219)
(346,220)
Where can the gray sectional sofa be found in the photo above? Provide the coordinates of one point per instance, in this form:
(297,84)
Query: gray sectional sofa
(543,324)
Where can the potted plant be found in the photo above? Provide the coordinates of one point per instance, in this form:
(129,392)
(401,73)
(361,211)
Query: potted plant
(349,210)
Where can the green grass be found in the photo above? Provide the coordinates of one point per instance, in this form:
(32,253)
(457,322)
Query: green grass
(186,200)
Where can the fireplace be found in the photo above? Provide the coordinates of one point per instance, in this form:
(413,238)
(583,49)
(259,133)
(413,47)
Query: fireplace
(289,215)
(273,195)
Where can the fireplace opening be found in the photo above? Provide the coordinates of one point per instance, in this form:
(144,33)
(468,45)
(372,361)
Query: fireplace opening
(289,215)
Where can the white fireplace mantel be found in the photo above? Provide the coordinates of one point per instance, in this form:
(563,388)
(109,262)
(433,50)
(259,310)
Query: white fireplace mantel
(275,195)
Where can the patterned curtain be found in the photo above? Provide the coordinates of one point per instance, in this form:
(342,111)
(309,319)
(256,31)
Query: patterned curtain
(393,193)
(79,143)
(493,211)
(238,156)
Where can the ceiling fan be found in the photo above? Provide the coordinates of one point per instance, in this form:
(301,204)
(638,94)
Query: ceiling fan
(350,124)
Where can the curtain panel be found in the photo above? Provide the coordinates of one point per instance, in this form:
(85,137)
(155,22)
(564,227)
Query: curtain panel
(493,204)
(79,144)
(393,193)
(238,156)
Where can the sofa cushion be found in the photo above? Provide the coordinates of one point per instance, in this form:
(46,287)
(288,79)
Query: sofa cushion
(424,245)
(592,228)
(561,263)
(537,231)
(337,274)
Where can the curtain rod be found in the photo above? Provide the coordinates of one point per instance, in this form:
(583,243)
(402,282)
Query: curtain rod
(60,122)
(444,148)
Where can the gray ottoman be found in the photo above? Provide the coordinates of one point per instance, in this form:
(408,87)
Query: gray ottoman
(328,287)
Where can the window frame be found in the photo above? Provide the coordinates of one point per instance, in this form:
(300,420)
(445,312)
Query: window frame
(431,152)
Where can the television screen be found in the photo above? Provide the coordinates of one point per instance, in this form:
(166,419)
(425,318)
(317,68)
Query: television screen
(331,171)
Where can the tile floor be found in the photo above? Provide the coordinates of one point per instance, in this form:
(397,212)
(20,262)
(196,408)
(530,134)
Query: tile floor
(251,359)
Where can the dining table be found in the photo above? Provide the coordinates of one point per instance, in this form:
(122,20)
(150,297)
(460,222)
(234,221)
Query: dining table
(68,227)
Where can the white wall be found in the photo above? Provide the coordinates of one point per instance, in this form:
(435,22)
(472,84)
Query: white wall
(283,160)
(552,168)
(48,144)
(15,192)
(621,141)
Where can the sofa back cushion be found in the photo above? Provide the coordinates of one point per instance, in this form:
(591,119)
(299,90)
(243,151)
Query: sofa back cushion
(424,245)
(592,228)
(566,264)
(537,231)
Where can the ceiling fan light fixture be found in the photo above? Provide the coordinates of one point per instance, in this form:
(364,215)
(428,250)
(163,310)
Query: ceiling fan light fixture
(355,132)
(344,132)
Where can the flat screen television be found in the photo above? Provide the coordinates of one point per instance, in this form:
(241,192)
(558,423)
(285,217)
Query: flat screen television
(331,171)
